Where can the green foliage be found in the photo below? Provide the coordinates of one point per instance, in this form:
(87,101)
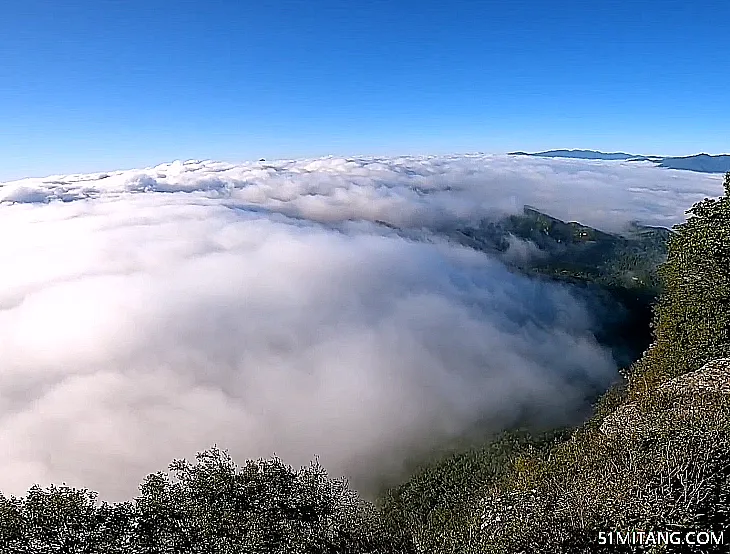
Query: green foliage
(211,506)
(607,404)
(672,474)
(437,503)
(265,506)
(62,519)
(692,317)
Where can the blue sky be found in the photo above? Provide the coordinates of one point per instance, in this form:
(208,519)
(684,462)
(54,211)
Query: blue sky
(88,85)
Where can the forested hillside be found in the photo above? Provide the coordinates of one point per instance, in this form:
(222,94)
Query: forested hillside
(615,274)
(654,456)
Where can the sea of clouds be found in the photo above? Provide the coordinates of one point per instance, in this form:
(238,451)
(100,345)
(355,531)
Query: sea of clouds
(304,308)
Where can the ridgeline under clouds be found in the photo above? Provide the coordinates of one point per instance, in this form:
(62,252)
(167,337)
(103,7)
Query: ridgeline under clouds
(704,163)
(305,308)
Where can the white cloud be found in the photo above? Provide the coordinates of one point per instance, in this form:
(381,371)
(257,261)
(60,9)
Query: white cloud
(146,315)
(407,190)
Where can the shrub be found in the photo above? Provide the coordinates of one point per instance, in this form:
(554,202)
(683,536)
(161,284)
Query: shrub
(211,506)
(692,317)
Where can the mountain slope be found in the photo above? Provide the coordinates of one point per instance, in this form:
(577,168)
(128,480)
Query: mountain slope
(614,274)
(570,250)
(703,163)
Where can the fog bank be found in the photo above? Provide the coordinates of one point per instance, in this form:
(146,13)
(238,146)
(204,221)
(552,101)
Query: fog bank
(264,307)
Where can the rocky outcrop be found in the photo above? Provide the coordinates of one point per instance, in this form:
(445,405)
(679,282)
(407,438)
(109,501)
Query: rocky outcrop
(713,377)
(683,397)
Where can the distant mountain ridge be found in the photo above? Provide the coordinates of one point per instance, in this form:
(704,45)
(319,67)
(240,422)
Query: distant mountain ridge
(703,163)
(582,154)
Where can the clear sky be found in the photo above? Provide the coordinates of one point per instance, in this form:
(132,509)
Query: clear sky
(88,85)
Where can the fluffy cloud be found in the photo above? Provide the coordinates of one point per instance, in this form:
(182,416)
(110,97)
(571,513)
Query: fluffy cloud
(407,191)
(147,314)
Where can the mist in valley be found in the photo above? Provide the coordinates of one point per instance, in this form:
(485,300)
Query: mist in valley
(306,308)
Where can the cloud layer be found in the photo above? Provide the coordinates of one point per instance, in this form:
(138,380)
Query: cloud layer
(147,314)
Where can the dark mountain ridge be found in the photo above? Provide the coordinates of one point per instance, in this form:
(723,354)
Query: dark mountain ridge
(582,154)
(703,163)
(615,274)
